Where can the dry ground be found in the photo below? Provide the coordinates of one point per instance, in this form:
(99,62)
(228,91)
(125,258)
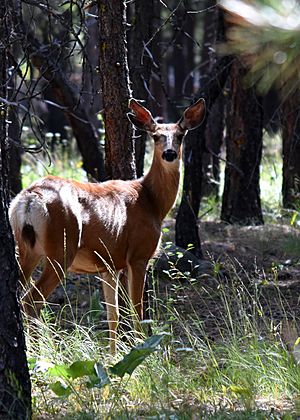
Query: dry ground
(266,257)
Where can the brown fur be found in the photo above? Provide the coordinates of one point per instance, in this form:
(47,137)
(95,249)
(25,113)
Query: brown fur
(99,228)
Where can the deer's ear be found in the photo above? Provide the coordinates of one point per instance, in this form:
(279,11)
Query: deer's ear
(193,116)
(141,117)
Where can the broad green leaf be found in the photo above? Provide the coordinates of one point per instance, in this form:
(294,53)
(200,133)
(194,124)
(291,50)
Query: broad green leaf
(61,371)
(60,389)
(136,356)
(82,368)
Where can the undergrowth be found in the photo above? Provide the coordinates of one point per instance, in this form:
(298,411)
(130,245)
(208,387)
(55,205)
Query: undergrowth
(232,361)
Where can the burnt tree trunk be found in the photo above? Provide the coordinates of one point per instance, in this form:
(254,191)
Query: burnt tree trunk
(119,147)
(186,229)
(140,64)
(291,151)
(15,388)
(215,124)
(91,79)
(75,109)
(241,197)
(214,137)
(14,174)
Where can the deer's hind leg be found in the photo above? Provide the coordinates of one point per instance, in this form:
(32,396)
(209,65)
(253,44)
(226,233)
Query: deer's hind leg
(59,252)
(28,260)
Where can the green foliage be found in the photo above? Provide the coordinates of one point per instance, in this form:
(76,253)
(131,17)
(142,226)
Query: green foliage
(63,161)
(94,373)
(136,356)
(243,364)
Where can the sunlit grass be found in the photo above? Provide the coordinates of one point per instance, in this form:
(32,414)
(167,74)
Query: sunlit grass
(64,161)
(243,366)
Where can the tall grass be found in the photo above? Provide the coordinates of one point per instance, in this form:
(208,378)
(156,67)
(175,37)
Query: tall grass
(213,361)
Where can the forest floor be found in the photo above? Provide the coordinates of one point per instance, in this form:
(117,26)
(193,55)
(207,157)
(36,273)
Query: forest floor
(268,254)
(251,273)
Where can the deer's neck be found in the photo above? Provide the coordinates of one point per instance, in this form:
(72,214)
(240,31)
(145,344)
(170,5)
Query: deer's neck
(162,182)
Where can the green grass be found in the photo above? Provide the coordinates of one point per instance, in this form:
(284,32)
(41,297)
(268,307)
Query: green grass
(64,162)
(244,369)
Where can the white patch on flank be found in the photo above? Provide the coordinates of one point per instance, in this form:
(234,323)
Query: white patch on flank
(69,200)
(112,214)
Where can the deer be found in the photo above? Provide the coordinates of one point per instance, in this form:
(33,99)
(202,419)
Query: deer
(85,227)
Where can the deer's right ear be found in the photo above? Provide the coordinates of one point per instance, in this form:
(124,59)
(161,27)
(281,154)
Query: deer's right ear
(141,118)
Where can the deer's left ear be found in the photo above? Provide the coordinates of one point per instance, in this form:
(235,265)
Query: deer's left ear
(193,116)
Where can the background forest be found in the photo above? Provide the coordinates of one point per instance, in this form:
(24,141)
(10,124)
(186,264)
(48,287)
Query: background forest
(223,292)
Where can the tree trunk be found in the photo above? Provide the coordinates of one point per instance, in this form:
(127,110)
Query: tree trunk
(214,136)
(14,174)
(76,112)
(186,229)
(15,177)
(215,123)
(241,197)
(91,79)
(140,64)
(291,151)
(15,388)
(119,148)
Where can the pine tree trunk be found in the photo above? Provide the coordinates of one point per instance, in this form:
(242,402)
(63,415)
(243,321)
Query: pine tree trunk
(215,120)
(15,388)
(214,136)
(291,152)
(119,148)
(186,229)
(14,174)
(241,197)
(140,64)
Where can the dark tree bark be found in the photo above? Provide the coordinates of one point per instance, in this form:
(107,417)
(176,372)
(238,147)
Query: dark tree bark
(159,72)
(140,64)
(14,174)
(15,388)
(91,79)
(15,177)
(54,118)
(76,110)
(186,229)
(291,151)
(183,48)
(214,136)
(119,148)
(241,197)
(215,123)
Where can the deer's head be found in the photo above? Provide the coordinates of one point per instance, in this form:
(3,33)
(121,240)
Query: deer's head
(167,137)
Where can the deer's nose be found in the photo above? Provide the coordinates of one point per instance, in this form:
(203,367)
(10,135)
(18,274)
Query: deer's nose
(169,155)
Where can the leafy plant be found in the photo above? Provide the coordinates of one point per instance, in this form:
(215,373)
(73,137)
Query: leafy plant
(94,373)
